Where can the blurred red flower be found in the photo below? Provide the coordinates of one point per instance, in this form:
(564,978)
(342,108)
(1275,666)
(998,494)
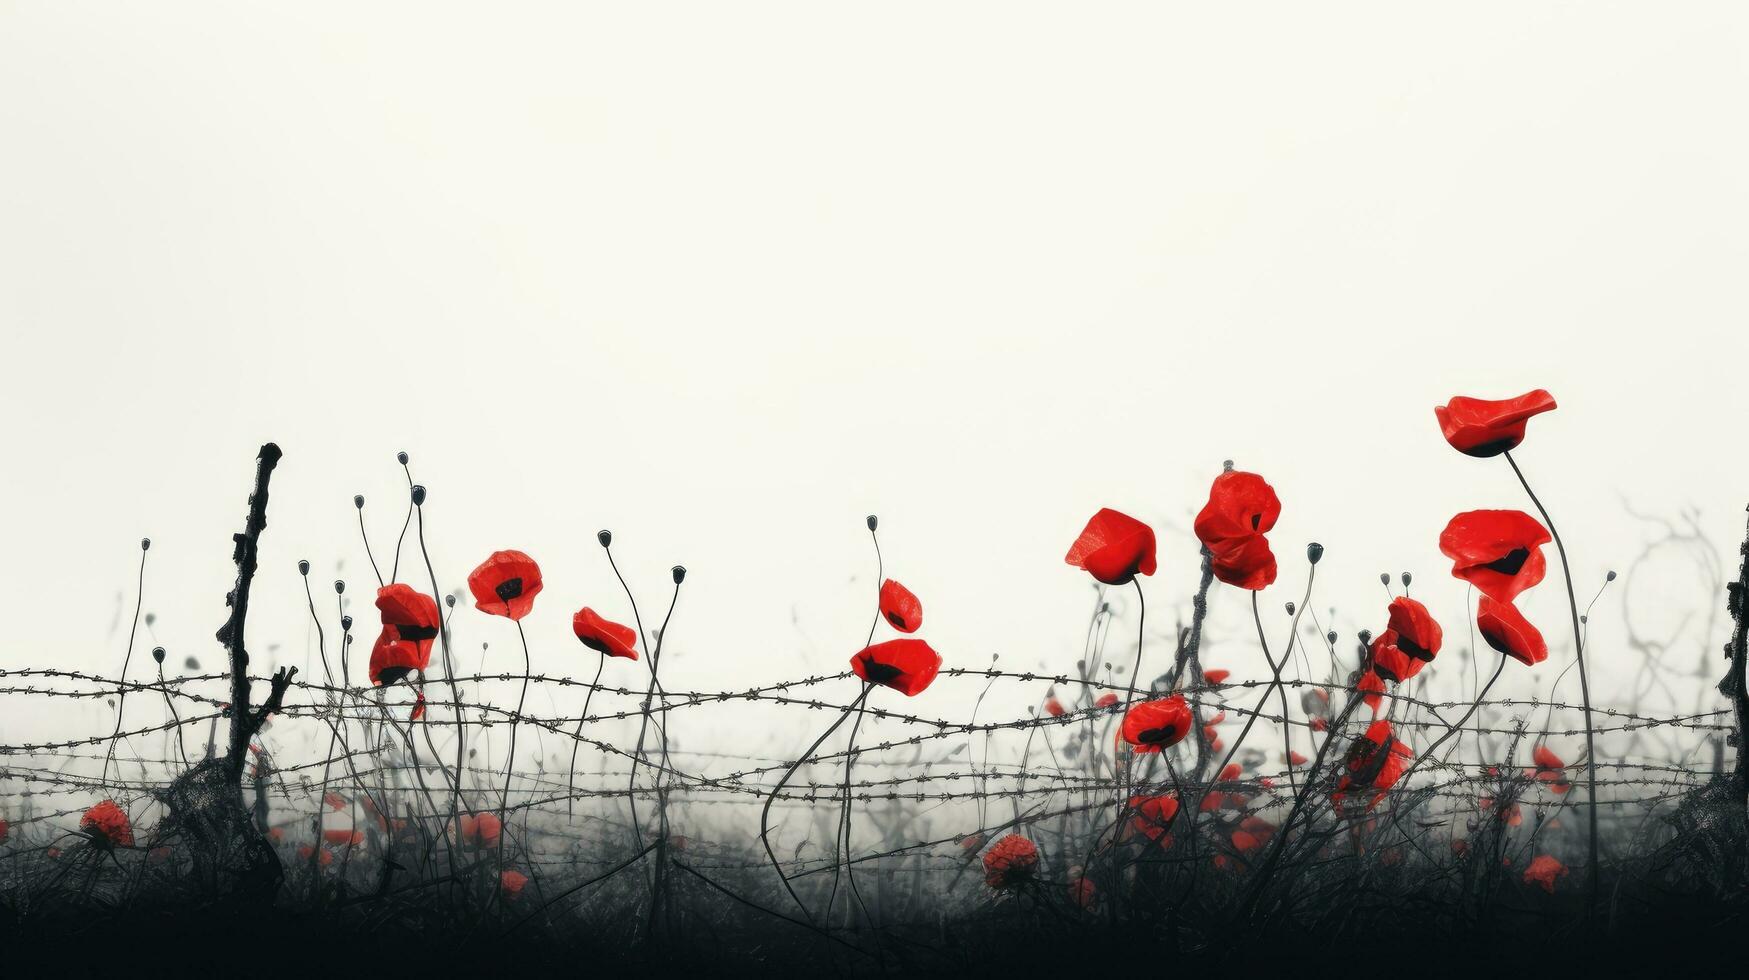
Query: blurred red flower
(1152,817)
(1114,548)
(1543,871)
(1507,631)
(1497,551)
(1153,725)
(1216,676)
(107,824)
(1010,861)
(505,584)
(1376,760)
(512,882)
(605,636)
(907,666)
(1053,707)
(482,829)
(1484,427)
(1106,700)
(900,607)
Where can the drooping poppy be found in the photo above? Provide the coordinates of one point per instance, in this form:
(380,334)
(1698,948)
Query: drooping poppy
(605,636)
(1154,725)
(900,607)
(1543,872)
(411,623)
(1152,816)
(1114,548)
(1376,759)
(1245,563)
(1010,861)
(512,883)
(1418,633)
(505,584)
(1497,551)
(1507,631)
(1053,707)
(907,666)
(482,829)
(1487,427)
(108,825)
(1390,662)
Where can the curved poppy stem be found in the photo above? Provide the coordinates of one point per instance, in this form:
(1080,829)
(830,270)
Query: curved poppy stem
(1275,683)
(843,843)
(1584,688)
(367,551)
(1454,729)
(880,575)
(577,741)
(122,691)
(510,758)
(771,796)
(395,570)
(455,697)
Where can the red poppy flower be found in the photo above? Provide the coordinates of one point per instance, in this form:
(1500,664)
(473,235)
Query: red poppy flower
(276,833)
(605,636)
(1053,707)
(1240,505)
(1323,724)
(505,584)
(1114,548)
(482,829)
(906,666)
(1154,725)
(1216,676)
(972,843)
(1418,634)
(1550,770)
(1246,842)
(1543,871)
(1106,700)
(1508,632)
(1010,861)
(305,852)
(1497,551)
(1245,563)
(1231,773)
(512,882)
(1376,759)
(1152,816)
(1483,427)
(108,825)
(1297,759)
(1081,892)
(343,836)
(1390,662)
(1372,689)
(900,607)
(411,623)
(333,800)
(418,707)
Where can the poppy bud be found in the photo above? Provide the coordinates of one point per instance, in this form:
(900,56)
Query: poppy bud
(1385,579)
(1610,577)
(605,537)
(346,622)
(449,600)
(401,458)
(358,500)
(1407,578)
(1331,637)
(1314,552)
(873,522)
(1290,609)
(145,544)
(151,618)
(418,495)
(303,566)
(339,586)
(679,574)
(1583,619)
(1365,637)
(1226,466)
(158,654)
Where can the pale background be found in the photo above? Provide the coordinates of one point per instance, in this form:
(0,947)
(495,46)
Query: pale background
(727,277)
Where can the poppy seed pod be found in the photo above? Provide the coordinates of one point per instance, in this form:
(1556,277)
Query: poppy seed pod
(873,522)
(339,586)
(145,544)
(1226,466)
(1407,578)
(358,500)
(1385,579)
(401,458)
(346,622)
(1330,637)
(605,537)
(418,495)
(1314,552)
(1610,577)
(158,654)
(151,618)
(1365,636)
(303,566)
(679,574)
(449,600)
(1290,609)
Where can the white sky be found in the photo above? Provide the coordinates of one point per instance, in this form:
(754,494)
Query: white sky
(727,277)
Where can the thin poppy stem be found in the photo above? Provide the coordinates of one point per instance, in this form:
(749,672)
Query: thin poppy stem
(577,740)
(1584,689)
(170,703)
(771,796)
(367,552)
(1475,705)
(510,758)
(122,691)
(395,570)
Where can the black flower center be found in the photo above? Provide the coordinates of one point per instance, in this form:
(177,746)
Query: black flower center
(880,673)
(1153,735)
(416,632)
(1510,563)
(1413,649)
(896,619)
(509,589)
